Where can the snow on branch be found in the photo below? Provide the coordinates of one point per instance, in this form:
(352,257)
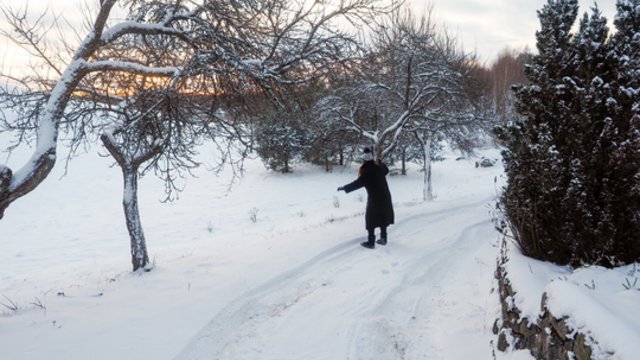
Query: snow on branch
(127,66)
(136,28)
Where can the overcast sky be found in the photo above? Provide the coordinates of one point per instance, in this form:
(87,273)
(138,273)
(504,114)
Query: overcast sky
(489,26)
(483,26)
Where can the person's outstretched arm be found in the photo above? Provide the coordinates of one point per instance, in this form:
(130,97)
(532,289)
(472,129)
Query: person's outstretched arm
(355,185)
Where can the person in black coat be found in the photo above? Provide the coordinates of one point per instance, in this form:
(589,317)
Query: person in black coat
(379,212)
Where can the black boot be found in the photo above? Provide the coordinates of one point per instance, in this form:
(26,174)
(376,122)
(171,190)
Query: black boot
(370,243)
(383,236)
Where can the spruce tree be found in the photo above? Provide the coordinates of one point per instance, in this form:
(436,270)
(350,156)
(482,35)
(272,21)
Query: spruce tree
(281,139)
(588,226)
(573,158)
(626,47)
(625,131)
(533,164)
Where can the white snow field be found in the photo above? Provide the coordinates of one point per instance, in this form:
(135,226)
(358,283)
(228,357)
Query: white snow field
(293,284)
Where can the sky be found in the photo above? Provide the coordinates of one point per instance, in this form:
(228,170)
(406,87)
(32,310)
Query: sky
(490,26)
(483,26)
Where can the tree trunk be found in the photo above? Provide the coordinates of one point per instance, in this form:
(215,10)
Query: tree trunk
(425,140)
(404,161)
(139,256)
(377,153)
(426,167)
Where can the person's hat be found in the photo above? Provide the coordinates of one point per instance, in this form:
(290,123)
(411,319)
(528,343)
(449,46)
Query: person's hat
(367,155)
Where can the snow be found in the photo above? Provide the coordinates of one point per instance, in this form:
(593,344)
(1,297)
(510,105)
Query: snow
(599,302)
(125,27)
(131,66)
(47,132)
(293,284)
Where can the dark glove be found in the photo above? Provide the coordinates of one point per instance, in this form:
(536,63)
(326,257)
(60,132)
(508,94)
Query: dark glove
(341,188)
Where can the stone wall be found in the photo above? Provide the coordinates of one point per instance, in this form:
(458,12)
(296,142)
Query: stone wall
(548,338)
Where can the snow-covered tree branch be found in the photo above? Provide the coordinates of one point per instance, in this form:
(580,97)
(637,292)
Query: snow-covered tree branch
(240,46)
(414,79)
(83,62)
(410,71)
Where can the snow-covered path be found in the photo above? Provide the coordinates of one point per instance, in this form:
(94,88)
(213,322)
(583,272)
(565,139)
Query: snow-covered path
(427,295)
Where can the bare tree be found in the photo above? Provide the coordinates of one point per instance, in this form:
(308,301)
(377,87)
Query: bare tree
(403,76)
(413,77)
(14,185)
(140,140)
(505,72)
(461,119)
(152,126)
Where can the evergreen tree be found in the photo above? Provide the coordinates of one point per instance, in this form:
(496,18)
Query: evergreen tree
(532,157)
(626,47)
(281,140)
(586,202)
(625,130)
(573,159)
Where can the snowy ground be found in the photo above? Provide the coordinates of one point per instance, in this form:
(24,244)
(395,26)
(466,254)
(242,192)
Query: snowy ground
(602,303)
(294,284)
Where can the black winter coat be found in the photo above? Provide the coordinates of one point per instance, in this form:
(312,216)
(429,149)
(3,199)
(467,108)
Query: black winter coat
(379,207)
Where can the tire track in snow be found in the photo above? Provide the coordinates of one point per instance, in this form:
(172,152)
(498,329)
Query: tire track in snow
(237,318)
(393,308)
(406,321)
